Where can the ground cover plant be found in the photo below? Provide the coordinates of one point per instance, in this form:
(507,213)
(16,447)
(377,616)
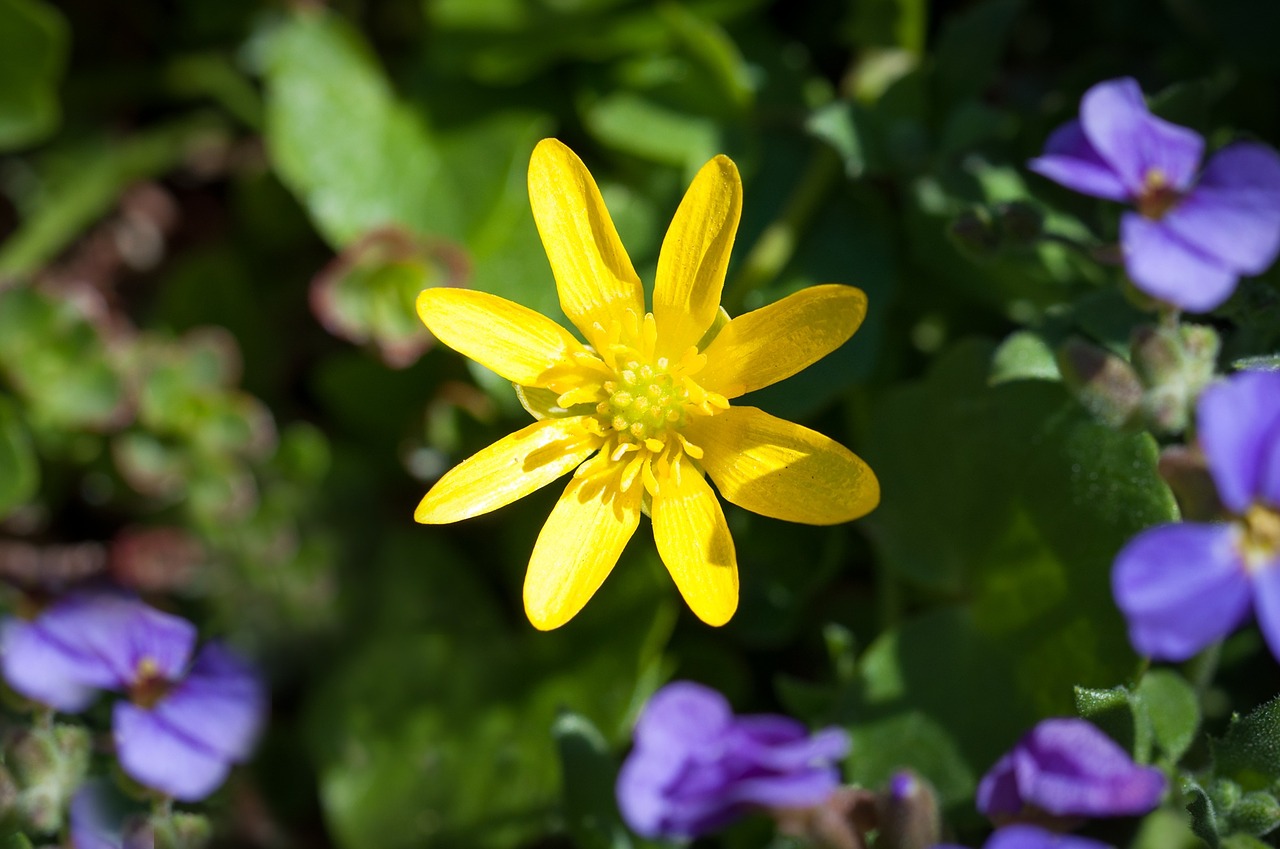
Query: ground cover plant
(614,424)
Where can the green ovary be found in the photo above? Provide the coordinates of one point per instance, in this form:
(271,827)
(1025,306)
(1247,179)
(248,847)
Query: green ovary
(643,402)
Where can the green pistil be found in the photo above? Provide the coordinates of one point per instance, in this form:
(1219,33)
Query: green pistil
(643,401)
(1158,197)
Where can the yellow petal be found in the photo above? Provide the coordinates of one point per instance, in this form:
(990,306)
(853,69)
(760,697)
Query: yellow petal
(594,276)
(501,335)
(694,543)
(780,469)
(694,256)
(776,341)
(579,545)
(509,469)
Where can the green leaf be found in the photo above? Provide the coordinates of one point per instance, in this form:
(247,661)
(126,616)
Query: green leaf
(912,739)
(1204,815)
(433,729)
(1249,752)
(986,489)
(80,185)
(1165,829)
(588,775)
(1174,710)
(971,47)
(1123,717)
(33,47)
(1024,355)
(356,156)
(889,23)
(840,124)
(19,468)
(57,362)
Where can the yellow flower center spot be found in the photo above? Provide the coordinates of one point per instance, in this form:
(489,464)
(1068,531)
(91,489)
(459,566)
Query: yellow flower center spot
(1261,541)
(148,687)
(1158,196)
(644,401)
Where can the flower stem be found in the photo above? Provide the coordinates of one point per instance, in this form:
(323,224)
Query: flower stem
(777,244)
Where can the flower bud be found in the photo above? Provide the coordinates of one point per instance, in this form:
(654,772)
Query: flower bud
(908,813)
(973,231)
(179,830)
(1175,364)
(1103,382)
(1256,813)
(1021,224)
(45,765)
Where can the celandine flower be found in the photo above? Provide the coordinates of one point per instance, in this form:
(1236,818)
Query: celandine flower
(1191,235)
(695,766)
(185,723)
(1032,837)
(1183,585)
(643,410)
(1068,768)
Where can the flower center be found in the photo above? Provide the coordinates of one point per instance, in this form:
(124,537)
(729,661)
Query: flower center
(1158,196)
(149,686)
(644,400)
(1261,543)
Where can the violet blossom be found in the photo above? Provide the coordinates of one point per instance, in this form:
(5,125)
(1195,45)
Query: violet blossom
(1068,768)
(1193,232)
(1032,837)
(696,767)
(186,722)
(1186,584)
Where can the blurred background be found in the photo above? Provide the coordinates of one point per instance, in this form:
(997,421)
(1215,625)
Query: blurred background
(215,216)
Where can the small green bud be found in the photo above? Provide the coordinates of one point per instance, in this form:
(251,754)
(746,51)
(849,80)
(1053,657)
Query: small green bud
(1021,224)
(974,231)
(1175,364)
(1256,813)
(46,766)
(1103,382)
(180,830)
(1225,793)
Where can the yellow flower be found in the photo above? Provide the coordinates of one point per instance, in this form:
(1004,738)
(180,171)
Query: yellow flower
(642,411)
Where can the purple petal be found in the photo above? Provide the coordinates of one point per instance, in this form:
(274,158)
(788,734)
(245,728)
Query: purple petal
(221,704)
(1266,600)
(1133,141)
(1070,160)
(1165,267)
(1034,837)
(782,743)
(998,791)
(1238,421)
(91,821)
(153,753)
(801,789)
(43,670)
(1068,767)
(683,714)
(1233,215)
(1180,586)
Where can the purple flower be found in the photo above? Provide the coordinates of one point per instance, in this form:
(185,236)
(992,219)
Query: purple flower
(696,766)
(1181,586)
(183,727)
(1033,837)
(1068,768)
(1192,235)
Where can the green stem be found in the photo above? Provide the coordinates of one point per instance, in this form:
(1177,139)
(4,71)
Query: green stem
(776,245)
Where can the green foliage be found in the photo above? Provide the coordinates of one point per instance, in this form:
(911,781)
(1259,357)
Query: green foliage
(215,220)
(19,469)
(33,46)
